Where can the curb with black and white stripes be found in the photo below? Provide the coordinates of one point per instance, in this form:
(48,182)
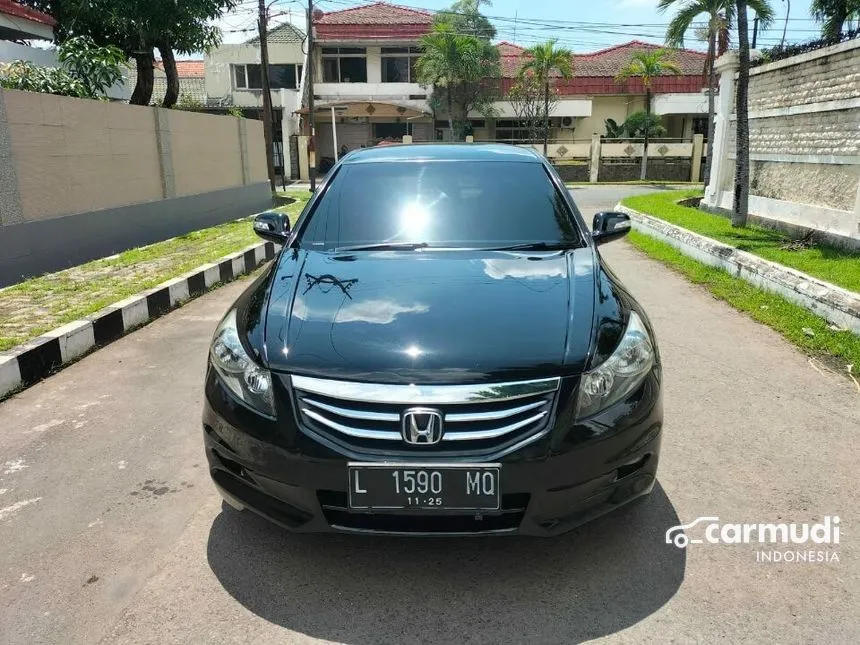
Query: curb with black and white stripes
(32,361)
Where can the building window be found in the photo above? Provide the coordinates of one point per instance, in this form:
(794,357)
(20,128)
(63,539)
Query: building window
(249,77)
(511,130)
(344,64)
(398,64)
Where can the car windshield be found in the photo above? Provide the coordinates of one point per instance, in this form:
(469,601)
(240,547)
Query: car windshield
(445,204)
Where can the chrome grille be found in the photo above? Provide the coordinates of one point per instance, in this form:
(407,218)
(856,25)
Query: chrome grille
(369,416)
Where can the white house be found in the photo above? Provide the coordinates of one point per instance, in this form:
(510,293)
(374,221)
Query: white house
(234,78)
(18,23)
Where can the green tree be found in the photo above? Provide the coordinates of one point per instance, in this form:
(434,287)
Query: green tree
(720,15)
(544,60)
(457,67)
(638,123)
(647,65)
(86,71)
(833,14)
(466,18)
(137,27)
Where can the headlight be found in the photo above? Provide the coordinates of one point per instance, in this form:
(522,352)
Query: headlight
(248,381)
(620,374)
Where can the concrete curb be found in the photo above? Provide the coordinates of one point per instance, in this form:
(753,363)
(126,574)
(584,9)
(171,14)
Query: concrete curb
(36,359)
(835,304)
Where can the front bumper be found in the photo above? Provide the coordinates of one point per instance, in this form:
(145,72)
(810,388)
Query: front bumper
(575,473)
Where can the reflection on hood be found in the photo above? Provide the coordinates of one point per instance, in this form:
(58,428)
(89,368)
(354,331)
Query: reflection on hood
(523,268)
(378,312)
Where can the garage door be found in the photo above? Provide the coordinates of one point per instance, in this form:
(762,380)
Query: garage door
(353,135)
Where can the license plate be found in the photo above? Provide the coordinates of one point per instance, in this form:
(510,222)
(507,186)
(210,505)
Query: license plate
(466,487)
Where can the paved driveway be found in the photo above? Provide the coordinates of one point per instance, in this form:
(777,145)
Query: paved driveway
(110,530)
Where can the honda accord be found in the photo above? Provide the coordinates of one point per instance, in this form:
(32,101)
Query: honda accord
(438,348)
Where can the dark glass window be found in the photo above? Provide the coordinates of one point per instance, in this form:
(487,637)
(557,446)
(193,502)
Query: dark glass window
(443,203)
(353,70)
(282,77)
(241,79)
(330,74)
(255,78)
(395,69)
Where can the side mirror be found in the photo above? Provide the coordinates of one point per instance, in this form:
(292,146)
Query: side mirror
(609,226)
(272,226)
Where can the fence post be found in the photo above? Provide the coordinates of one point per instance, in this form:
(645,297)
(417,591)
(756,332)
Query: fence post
(698,147)
(727,65)
(243,151)
(304,161)
(165,156)
(594,170)
(11,209)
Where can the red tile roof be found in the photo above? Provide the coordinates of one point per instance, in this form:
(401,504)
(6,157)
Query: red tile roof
(377,21)
(12,8)
(607,62)
(595,73)
(185,68)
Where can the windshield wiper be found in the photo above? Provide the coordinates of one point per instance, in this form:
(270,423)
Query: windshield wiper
(385,246)
(537,246)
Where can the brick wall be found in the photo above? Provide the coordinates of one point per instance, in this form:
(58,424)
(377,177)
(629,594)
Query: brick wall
(804,141)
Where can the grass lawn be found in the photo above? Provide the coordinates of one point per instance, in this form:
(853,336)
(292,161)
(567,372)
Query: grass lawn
(40,304)
(838,348)
(838,267)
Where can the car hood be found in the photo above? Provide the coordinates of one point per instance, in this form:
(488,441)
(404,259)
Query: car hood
(431,317)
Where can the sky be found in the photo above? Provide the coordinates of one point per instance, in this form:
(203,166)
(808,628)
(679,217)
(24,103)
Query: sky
(581,25)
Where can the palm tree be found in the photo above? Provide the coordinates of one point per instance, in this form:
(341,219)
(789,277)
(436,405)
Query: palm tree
(721,15)
(544,60)
(647,65)
(457,64)
(785,27)
(742,163)
(444,63)
(833,14)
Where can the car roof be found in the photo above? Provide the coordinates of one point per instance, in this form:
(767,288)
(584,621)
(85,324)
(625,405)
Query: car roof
(444,152)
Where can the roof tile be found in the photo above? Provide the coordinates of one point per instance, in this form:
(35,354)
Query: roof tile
(12,8)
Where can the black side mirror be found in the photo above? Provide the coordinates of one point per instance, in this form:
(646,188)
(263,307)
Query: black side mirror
(609,226)
(272,226)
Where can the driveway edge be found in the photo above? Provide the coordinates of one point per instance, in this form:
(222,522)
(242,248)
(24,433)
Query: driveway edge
(40,357)
(835,304)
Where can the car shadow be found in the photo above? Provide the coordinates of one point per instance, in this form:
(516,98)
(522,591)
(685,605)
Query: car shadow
(594,581)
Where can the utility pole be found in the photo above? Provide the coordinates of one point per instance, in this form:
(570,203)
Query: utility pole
(312,155)
(262,26)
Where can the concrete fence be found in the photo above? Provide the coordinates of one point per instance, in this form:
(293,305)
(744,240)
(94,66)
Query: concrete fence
(82,179)
(804,142)
(598,159)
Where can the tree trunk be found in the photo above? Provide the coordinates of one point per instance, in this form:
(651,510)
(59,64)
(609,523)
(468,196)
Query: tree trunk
(742,168)
(834,25)
(785,27)
(171,96)
(145,78)
(545,116)
(450,113)
(644,173)
(712,82)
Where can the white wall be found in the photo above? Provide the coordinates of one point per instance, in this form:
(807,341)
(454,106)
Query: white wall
(10,51)
(804,140)
(219,80)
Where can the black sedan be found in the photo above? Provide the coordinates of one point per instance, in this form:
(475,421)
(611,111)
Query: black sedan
(438,348)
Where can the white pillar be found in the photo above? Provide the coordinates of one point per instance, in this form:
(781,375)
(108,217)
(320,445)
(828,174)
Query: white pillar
(698,147)
(726,66)
(334,132)
(594,169)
